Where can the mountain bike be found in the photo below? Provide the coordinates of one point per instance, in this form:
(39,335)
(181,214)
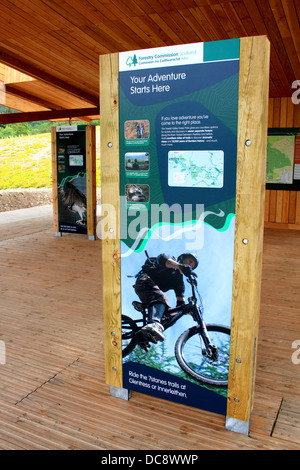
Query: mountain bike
(201,351)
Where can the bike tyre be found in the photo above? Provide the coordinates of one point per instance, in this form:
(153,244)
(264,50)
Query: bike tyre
(130,325)
(179,354)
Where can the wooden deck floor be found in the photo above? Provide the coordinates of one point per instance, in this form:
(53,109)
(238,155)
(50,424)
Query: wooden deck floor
(52,388)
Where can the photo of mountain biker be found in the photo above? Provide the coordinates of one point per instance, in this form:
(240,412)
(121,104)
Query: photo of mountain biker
(157,276)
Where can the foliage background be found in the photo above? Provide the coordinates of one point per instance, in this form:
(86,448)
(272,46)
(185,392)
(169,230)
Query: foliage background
(25,154)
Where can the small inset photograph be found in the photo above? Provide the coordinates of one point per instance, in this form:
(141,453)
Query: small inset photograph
(137,193)
(137,161)
(137,129)
(76,160)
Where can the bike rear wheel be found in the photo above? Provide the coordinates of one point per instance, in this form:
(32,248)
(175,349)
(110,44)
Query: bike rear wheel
(129,329)
(190,355)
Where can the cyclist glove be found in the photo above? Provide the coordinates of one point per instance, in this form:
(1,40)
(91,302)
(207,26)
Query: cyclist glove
(186,269)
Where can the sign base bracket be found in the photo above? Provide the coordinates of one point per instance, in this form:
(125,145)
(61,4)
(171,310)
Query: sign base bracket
(119,392)
(237,425)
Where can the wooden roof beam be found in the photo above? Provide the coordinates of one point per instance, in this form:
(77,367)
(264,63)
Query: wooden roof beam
(8,59)
(13,118)
(33,99)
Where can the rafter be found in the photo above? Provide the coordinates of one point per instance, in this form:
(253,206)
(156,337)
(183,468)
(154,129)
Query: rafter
(8,59)
(10,89)
(14,118)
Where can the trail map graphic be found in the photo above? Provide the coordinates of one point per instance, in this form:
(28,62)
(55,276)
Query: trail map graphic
(201,169)
(280,159)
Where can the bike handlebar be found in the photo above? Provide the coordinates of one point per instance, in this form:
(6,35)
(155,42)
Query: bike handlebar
(191,278)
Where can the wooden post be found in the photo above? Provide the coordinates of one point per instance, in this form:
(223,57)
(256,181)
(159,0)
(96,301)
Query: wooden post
(109,149)
(91,180)
(54,180)
(251,176)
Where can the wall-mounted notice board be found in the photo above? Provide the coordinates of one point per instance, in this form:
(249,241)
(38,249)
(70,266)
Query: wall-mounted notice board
(283,159)
(183,171)
(74,185)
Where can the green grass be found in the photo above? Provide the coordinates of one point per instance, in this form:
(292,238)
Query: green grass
(25,162)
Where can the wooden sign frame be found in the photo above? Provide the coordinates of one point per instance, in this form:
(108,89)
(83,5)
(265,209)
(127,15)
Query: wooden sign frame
(90,143)
(251,171)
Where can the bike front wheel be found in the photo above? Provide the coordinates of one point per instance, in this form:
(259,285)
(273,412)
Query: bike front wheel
(129,329)
(190,352)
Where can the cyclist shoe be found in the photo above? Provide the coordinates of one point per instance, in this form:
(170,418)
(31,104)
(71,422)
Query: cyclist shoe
(154,332)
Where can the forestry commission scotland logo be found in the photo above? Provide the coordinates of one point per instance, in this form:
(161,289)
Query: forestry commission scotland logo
(132,60)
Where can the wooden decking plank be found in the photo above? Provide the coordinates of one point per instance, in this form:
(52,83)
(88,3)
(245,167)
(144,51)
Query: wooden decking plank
(53,393)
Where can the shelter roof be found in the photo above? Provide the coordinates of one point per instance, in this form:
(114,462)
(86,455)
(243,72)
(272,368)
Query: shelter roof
(56,45)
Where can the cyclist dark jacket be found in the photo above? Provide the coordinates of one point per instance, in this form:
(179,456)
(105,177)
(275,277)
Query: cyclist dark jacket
(162,277)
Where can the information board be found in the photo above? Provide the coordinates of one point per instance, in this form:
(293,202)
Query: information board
(71,178)
(156,202)
(283,159)
(178,156)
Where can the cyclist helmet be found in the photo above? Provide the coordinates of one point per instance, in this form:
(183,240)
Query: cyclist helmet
(185,255)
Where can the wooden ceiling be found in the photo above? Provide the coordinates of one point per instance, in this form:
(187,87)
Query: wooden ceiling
(58,43)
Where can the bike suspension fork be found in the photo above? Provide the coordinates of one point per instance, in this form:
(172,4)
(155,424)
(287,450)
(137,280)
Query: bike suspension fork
(211,351)
(205,336)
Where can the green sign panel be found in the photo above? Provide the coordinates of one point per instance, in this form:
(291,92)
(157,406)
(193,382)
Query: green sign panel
(71,178)
(178,152)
